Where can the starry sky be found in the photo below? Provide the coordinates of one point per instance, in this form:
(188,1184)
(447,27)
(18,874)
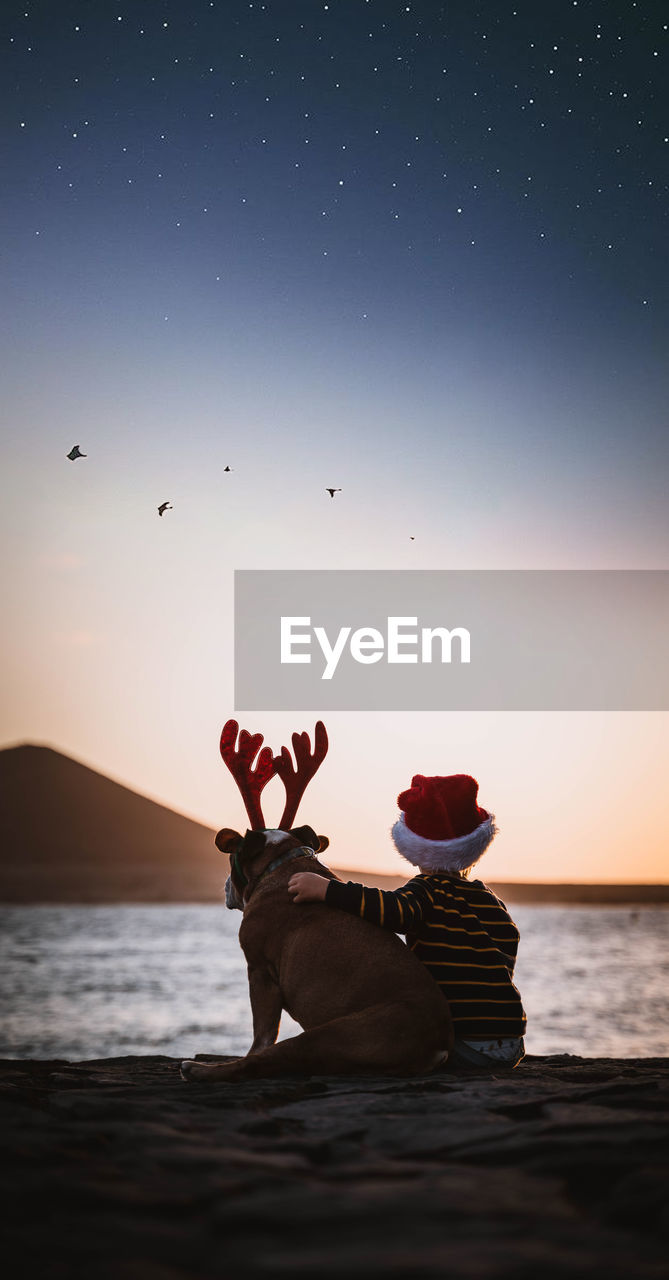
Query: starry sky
(414,251)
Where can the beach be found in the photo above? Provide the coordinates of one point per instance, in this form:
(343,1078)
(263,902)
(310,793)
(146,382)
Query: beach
(116,1167)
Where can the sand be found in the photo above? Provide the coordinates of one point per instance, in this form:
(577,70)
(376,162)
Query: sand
(117,1168)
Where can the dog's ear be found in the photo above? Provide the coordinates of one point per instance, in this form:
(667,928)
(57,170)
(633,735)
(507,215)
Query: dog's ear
(252,844)
(307,835)
(227,840)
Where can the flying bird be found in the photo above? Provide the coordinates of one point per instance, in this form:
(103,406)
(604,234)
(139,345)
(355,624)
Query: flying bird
(164,506)
(75,452)
(228,468)
(411,538)
(332,492)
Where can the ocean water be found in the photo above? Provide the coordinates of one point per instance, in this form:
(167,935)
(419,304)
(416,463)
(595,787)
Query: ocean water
(91,982)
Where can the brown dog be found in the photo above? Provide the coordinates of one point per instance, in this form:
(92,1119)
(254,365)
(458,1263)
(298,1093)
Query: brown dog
(364,1000)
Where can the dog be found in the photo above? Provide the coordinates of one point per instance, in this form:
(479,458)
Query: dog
(364,1001)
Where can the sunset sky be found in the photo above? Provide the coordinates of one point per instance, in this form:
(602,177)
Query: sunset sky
(414,251)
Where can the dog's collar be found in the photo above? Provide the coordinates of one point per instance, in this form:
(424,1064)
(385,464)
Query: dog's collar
(303,852)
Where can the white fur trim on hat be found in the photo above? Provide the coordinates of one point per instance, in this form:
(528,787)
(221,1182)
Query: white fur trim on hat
(443,855)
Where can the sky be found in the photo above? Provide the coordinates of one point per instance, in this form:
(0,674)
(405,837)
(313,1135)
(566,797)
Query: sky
(413,251)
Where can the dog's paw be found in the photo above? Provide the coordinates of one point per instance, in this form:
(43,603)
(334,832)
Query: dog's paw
(191,1071)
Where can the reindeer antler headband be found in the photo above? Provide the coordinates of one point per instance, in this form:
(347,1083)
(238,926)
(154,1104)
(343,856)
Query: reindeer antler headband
(252,781)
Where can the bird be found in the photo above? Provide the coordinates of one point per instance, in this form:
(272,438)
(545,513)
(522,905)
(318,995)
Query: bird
(75,452)
(411,538)
(164,506)
(332,492)
(228,468)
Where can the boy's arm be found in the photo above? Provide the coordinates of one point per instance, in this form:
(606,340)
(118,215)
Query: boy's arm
(400,911)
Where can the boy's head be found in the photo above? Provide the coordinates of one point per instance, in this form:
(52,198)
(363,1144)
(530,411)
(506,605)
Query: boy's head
(441,827)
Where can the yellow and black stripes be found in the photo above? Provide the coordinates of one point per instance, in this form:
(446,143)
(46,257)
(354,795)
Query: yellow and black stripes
(463,935)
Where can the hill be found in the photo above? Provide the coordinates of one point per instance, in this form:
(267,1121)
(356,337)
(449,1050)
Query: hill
(70,834)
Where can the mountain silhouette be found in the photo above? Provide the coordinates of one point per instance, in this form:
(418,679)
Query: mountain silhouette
(69,834)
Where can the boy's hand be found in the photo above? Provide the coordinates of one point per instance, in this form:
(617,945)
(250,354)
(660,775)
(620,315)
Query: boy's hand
(305,886)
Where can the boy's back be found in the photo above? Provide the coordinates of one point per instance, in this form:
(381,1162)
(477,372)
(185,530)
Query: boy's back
(463,935)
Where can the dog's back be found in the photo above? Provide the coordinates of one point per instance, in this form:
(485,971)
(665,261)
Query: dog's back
(328,964)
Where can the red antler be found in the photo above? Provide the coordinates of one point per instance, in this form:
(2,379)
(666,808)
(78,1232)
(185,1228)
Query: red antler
(250,781)
(296,780)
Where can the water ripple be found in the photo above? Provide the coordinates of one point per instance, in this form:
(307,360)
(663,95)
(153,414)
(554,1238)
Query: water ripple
(94,982)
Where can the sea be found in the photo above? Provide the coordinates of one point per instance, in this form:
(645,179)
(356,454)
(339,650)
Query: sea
(82,982)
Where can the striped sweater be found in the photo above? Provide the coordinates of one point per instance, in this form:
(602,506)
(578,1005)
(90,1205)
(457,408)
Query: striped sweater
(464,936)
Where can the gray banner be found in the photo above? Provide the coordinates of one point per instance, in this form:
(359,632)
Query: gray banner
(480,640)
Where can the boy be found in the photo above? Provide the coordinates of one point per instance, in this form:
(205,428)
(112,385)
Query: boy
(463,934)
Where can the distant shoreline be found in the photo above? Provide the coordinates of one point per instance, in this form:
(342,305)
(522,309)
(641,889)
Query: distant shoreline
(538,893)
(69,835)
(176,894)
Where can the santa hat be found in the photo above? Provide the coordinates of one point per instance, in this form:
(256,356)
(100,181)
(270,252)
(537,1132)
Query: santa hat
(441,827)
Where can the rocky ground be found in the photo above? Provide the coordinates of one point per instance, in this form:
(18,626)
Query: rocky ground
(118,1169)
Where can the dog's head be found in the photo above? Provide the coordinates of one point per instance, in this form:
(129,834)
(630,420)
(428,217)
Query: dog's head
(252,853)
(253,766)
